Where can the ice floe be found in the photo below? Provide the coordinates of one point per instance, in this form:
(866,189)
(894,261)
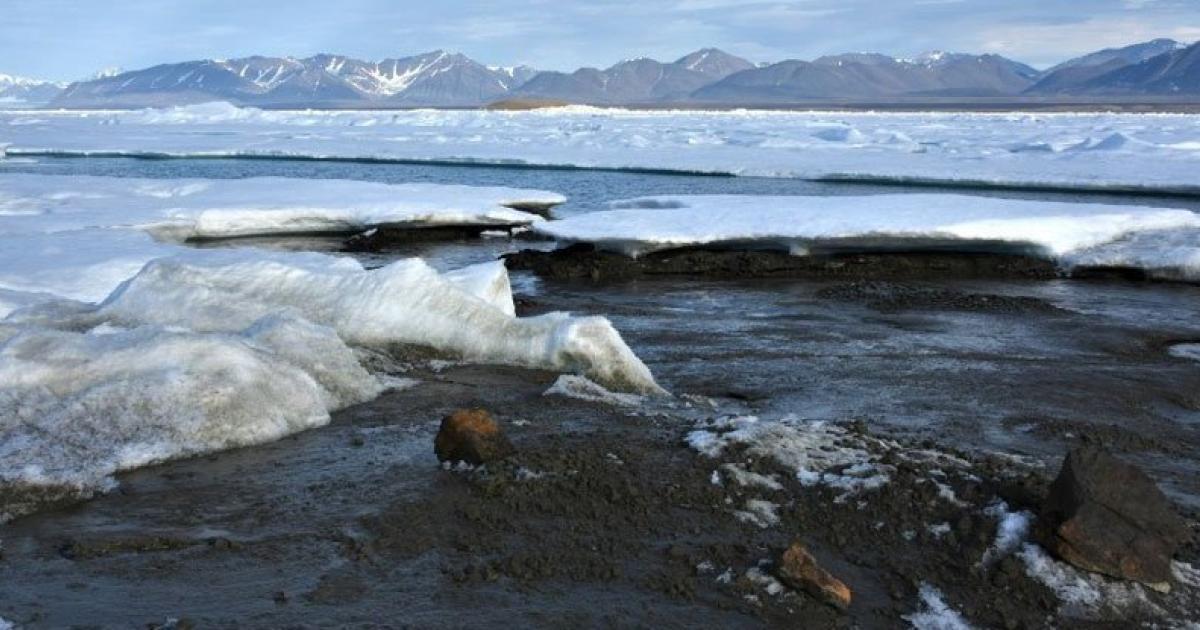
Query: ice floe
(1167,254)
(1075,151)
(406,302)
(76,407)
(1156,239)
(180,209)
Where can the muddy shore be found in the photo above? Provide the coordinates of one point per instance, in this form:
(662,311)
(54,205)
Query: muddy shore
(582,261)
(959,381)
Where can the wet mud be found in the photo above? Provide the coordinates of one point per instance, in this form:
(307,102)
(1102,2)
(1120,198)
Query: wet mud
(583,261)
(967,392)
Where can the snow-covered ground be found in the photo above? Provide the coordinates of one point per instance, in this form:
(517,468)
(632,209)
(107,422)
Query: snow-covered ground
(1165,242)
(1060,150)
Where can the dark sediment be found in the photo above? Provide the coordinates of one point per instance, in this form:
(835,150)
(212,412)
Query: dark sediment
(585,262)
(605,518)
(891,297)
(384,238)
(600,519)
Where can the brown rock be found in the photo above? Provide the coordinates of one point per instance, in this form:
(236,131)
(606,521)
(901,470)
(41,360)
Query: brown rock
(471,436)
(799,569)
(1106,516)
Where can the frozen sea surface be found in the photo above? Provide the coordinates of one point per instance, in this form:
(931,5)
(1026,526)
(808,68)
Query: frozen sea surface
(1128,152)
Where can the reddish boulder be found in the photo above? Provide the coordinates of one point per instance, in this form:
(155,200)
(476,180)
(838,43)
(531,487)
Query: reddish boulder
(800,570)
(1106,516)
(471,436)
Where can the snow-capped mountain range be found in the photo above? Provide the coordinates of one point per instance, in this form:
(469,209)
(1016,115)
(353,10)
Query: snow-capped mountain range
(436,78)
(19,91)
(708,76)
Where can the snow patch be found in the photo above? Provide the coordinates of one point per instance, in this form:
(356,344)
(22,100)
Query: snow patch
(760,513)
(1012,528)
(579,387)
(819,453)
(934,613)
(1182,350)
(765,581)
(748,479)
(1084,594)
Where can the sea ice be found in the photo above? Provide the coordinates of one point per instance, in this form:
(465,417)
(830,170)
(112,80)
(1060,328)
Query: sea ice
(180,209)
(406,302)
(77,407)
(1072,233)
(1071,151)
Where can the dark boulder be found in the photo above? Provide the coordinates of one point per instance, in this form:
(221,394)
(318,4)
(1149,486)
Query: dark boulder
(471,436)
(1106,516)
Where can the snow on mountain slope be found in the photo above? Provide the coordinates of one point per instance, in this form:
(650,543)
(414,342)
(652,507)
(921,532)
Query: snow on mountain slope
(870,76)
(1086,72)
(22,91)
(434,78)
(639,80)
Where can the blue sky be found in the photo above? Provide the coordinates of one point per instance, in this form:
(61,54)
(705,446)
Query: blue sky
(70,39)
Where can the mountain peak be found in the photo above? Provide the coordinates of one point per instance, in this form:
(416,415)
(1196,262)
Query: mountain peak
(713,62)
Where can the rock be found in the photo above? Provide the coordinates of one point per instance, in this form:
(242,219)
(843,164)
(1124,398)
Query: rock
(1106,516)
(800,570)
(471,436)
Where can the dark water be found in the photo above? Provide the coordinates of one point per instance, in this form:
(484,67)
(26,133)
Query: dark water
(586,190)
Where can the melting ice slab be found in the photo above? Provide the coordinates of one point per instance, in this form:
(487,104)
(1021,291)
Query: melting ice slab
(180,209)
(231,348)
(1149,237)
(77,407)
(405,302)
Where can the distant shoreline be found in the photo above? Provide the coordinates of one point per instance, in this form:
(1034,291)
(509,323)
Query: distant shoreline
(980,105)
